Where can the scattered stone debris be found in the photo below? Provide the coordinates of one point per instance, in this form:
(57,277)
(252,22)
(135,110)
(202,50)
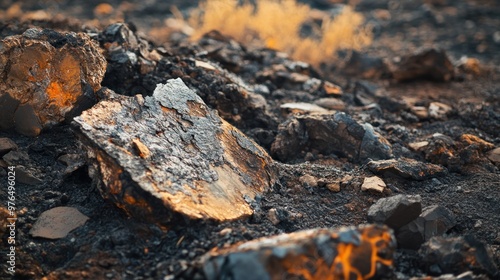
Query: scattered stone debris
(373,183)
(329,134)
(395,211)
(458,255)
(406,168)
(430,64)
(197,165)
(466,154)
(57,222)
(48,77)
(435,220)
(364,252)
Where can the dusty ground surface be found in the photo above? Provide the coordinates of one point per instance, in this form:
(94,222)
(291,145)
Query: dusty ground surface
(113,246)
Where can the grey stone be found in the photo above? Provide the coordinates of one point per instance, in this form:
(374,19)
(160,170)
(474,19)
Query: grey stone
(327,134)
(435,220)
(458,255)
(395,211)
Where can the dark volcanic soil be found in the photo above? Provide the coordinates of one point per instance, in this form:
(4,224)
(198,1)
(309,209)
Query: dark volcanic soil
(112,245)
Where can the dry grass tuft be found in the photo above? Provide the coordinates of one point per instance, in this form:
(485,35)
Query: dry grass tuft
(277,23)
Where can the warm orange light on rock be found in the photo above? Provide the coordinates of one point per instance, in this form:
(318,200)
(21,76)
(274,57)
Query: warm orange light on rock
(58,96)
(365,252)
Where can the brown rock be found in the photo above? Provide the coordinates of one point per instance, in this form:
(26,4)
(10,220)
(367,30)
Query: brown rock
(406,168)
(308,181)
(190,162)
(58,222)
(53,75)
(334,187)
(365,251)
(373,183)
(430,64)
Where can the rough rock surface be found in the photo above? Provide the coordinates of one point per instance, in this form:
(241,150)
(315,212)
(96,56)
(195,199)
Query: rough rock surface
(329,134)
(395,211)
(47,77)
(346,253)
(457,255)
(406,168)
(435,220)
(466,154)
(373,183)
(169,154)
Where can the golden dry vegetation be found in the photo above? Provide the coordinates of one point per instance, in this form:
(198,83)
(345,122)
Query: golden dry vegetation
(277,23)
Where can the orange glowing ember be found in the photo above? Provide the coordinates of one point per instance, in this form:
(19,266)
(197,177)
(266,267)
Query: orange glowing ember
(352,261)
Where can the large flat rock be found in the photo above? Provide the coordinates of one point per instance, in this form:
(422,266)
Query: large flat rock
(169,155)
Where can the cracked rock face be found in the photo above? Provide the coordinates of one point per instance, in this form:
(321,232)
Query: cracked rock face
(169,155)
(363,252)
(329,134)
(46,78)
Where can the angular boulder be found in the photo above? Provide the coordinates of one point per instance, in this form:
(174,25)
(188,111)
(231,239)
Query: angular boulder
(169,155)
(435,220)
(395,211)
(46,78)
(364,252)
(327,134)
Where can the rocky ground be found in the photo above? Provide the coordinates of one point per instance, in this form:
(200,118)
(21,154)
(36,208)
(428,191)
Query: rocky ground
(418,109)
